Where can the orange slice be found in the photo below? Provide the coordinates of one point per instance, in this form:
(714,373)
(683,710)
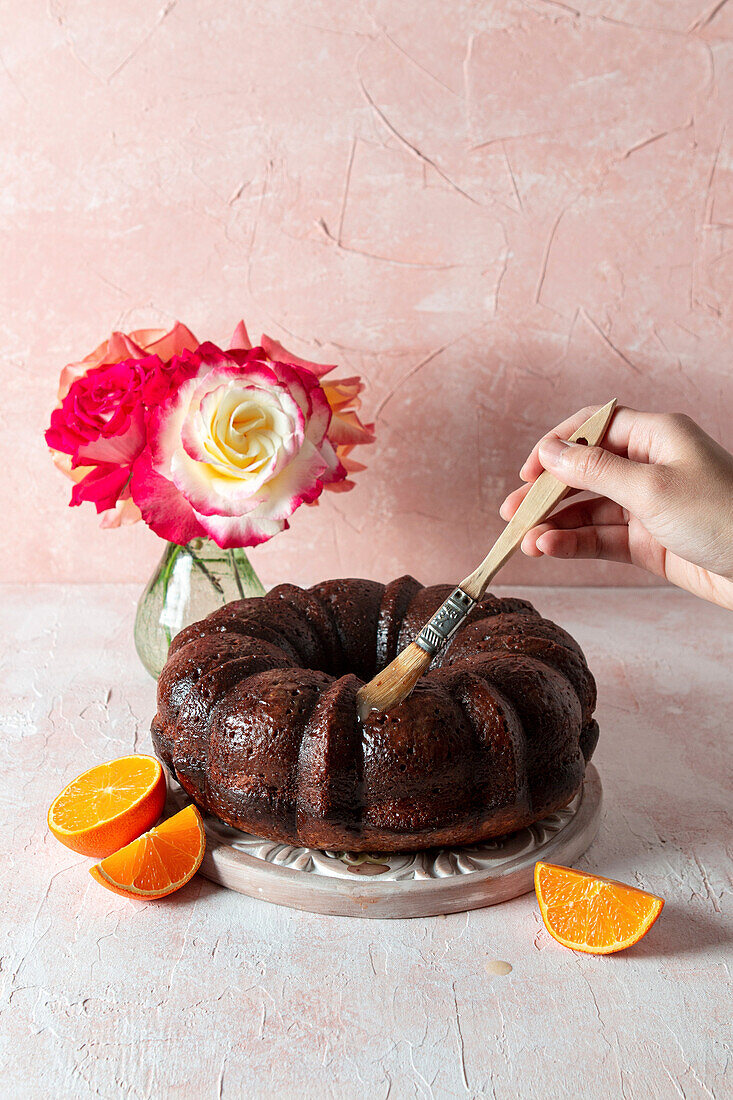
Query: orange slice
(108,806)
(592,914)
(158,862)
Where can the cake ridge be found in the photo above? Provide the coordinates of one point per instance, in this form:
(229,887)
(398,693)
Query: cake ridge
(393,606)
(507,732)
(330,768)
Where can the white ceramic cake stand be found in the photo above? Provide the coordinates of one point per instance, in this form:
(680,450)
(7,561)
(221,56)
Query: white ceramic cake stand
(411,884)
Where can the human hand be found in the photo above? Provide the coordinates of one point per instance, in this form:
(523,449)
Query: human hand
(664,500)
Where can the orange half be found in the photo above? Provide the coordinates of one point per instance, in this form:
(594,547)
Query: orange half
(592,914)
(108,806)
(157,863)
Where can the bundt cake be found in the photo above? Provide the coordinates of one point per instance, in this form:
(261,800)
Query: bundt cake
(257,718)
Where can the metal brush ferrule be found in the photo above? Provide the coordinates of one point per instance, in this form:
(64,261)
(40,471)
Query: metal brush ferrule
(445,621)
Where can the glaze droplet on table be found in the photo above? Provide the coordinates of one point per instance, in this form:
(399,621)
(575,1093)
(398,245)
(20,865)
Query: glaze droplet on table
(497,967)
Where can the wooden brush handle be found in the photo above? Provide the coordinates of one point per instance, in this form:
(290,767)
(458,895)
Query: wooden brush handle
(545,494)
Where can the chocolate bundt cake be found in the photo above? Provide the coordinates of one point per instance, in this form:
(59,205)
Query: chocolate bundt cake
(257,718)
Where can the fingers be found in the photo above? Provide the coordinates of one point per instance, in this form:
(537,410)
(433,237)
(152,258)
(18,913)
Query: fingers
(515,498)
(584,513)
(510,504)
(636,486)
(589,513)
(626,424)
(610,542)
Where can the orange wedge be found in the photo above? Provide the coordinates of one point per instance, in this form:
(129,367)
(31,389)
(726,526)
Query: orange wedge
(105,808)
(592,914)
(158,862)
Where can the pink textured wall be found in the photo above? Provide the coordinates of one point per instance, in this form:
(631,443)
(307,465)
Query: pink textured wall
(495,212)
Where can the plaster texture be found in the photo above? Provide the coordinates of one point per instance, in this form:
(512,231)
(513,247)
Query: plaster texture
(494,212)
(210,994)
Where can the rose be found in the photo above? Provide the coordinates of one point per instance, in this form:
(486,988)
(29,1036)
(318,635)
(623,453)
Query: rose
(118,347)
(101,424)
(346,429)
(133,345)
(225,444)
(235,450)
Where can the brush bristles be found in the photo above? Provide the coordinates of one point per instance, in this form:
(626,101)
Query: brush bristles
(394,683)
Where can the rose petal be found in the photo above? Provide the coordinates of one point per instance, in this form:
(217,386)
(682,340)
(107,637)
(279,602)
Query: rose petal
(346,430)
(175,342)
(63,463)
(166,422)
(250,530)
(343,486)
(299,483)
(240,339)
(124,513)
(275,350)
(346,427)
(162,507)
(320,411)
(102,486)
(121,449)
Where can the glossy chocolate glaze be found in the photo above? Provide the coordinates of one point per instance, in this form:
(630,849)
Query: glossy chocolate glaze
(257,718)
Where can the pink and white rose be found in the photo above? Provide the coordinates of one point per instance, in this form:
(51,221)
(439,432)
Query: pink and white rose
(241,445)
(346,430)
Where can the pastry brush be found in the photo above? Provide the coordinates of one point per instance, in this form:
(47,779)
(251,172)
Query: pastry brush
(394,683)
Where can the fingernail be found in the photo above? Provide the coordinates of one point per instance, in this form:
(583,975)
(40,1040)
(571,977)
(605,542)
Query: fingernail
(552,450)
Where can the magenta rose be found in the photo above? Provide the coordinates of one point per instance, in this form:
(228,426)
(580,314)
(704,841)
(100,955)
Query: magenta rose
(101,423)
(119,347)
(235,450)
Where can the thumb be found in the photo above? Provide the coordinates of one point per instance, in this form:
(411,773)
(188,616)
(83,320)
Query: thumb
(621,480)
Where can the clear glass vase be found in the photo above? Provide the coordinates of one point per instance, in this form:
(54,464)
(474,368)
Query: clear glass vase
(189,583)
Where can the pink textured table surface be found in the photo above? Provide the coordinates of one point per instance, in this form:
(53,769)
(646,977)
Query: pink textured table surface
(212,994)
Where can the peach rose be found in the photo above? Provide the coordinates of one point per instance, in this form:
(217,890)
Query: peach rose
(133,345)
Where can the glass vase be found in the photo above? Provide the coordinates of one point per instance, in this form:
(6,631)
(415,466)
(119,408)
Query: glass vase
(189,583)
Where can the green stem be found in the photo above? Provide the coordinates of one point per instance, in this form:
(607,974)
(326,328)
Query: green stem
(165,579)
(170,562)
(243,571)
(235,571)
(200,564)
(167,573)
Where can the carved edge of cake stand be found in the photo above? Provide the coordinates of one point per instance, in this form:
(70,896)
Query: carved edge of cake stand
(414,884)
